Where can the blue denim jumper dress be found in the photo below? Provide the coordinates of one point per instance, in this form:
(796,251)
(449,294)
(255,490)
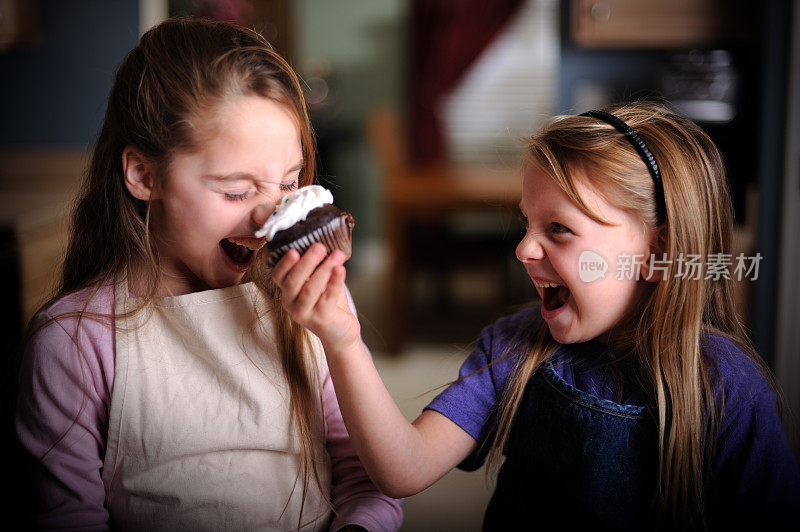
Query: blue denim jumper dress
(575,459)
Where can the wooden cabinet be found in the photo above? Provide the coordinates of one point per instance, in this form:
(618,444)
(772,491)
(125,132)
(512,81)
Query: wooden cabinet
(37,188)
(666,24)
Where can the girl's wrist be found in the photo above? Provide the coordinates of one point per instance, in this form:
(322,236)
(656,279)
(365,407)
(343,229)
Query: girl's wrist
(343,349)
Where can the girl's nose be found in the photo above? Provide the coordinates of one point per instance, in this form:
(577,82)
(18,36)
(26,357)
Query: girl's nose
(260,214)
(529,248)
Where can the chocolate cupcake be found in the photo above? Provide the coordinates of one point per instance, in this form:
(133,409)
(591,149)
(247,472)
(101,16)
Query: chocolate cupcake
(304,217)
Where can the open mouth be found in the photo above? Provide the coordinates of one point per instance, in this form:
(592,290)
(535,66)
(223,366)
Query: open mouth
(241,250)
(554,296)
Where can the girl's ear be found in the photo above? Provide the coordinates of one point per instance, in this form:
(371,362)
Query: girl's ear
(655,268)
(139,174)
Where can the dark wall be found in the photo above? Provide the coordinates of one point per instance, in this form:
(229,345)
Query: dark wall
(55,92)
(770,150)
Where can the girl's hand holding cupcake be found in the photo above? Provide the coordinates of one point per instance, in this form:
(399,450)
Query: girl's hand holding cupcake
(312,285)
(312,291)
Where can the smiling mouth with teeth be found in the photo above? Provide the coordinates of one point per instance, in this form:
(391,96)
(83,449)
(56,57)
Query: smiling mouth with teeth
(554,295)
(240,250)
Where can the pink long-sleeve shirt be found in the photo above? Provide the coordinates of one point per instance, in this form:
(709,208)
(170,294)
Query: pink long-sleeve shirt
(63,389)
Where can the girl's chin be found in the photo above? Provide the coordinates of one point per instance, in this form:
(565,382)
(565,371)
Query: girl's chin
(226,279)
(565,329)
(574,335)
(561,333)
(563,337)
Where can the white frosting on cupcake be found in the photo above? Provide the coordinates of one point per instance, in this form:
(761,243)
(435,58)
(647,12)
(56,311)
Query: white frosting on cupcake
(294,208)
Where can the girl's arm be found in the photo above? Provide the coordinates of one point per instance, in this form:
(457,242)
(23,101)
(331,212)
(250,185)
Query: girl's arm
(61,422)
(402,458)
(356,499)
(755,474)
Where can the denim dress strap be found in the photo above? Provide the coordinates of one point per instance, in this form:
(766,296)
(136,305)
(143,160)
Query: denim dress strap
(575,459)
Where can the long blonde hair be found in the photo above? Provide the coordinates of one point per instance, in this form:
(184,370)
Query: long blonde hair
(665,342)
(182,70)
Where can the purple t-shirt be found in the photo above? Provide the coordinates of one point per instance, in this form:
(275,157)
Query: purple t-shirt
(752,455)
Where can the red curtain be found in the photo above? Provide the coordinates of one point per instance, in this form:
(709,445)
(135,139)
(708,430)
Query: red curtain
(447,37)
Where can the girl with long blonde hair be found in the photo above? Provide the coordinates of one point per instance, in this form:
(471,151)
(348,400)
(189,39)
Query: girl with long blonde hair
(629,398)
(164,387)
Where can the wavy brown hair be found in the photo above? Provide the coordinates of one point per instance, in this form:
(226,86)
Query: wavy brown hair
(665,340)
(181,71)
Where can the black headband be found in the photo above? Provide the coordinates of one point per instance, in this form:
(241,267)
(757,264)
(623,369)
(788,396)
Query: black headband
(644,153)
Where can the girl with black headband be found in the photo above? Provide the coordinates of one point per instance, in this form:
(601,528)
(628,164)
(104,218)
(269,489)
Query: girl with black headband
(630,397)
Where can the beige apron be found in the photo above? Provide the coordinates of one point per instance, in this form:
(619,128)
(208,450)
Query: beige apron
(199,431)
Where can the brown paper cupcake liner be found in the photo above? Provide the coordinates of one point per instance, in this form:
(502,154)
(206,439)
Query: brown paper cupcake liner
(336,234)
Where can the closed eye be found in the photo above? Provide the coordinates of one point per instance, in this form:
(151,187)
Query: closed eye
(237,197)
(288,187)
